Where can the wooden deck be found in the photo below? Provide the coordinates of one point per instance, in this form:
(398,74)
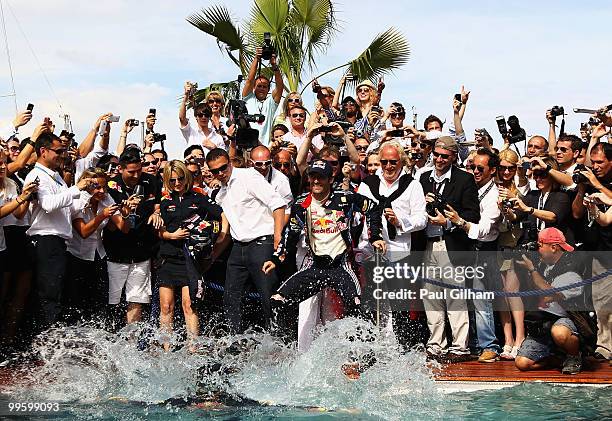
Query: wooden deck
(505,371)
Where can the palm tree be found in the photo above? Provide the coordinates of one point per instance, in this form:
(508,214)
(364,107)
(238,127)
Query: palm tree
(300,31)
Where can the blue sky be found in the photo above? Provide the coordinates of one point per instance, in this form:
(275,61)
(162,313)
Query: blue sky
(126,57)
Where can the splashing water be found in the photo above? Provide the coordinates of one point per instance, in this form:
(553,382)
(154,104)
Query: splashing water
(84,365)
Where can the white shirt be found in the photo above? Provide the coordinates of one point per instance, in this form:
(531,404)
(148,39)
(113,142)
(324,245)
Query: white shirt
(195,136)
(10,192)
(85,248)
(51,212)
(248,201)
(7,195)
(280,183)
(487,229)
(91,160)
(569,171)
(317,141)
(437,230)
(409,209)
(268,108)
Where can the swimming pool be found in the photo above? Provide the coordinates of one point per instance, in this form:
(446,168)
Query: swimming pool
(93,374)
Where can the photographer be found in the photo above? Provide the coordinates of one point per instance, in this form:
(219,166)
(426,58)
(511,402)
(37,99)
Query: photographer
(255,94)
(598,237)
(297,133)
(447,184)
(566,152)
(204,136)
(129,254)
(51,225)
(545,207)
(485,232)
(324,112)
(93,153)
(11,130)
(553,328)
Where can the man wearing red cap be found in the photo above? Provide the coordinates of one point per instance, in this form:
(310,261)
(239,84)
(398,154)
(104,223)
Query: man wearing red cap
(551,328)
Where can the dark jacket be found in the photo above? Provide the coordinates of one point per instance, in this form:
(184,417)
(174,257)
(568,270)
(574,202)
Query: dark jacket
(141,242)
(345,204)
(461,193)
(175,211)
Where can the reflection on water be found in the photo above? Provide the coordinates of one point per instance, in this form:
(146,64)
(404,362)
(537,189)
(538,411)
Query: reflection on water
(97,374)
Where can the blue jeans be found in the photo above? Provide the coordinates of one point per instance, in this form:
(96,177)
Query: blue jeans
(483,309)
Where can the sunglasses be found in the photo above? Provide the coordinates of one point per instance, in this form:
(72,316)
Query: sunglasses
(347,103)
(504,168)
(476,167)
(94,186)
(363,90)
(175,180)
(540,174)
(279,165)
(300,115)
(333,163)
(361,148)
(561,149)
(14,149)
(261,164)
(200,115)
(320,95)
(384,162)
(59,151)
(441,155)
(147,163)
(215,101)
(397,115)
(216,171)
(421,145)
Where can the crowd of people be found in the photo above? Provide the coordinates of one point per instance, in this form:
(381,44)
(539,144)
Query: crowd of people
(278,204)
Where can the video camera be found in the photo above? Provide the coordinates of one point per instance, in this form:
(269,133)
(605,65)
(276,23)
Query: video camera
(513,131)
(246,137)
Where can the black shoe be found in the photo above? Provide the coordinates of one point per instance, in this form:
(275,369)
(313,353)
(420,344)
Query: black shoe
(599,356)
(572,364)
(453,358)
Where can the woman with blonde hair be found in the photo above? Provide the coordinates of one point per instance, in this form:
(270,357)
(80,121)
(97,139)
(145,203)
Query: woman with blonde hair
(185,213)
(509,235)
(216,102)
(292,98)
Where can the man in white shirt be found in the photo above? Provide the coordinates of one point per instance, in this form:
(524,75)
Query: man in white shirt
(51,223)
(255,94)
(256,213)
(485,232)
(261,160)
(202,134)
(297,133)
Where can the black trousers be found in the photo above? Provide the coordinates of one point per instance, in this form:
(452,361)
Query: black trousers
(245,261)
(319,273)
(85,289)
(50,258)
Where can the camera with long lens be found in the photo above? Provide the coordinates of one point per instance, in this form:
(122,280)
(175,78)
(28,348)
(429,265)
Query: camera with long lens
(246,137)
(439,203)
(530,246)
(556,111)
(267,49)
(577,177)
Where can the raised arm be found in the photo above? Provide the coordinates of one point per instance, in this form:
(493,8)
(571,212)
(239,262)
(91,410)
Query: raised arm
(279,85)
(552,136)
(87,144)
(183,107)
(249,83)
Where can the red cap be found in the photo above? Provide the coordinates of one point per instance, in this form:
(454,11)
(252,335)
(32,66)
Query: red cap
(554,236)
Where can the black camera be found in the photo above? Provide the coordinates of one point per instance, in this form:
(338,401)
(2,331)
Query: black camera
(556,111)
(331,140)
(246,137)
(584,127)
(158,137)
(527,247)
(439,203)
(515,132)
(133,122)
(594,121)
(34,195)
(577,177)
(267,49)
(507,204)
(396,133)
(326,128)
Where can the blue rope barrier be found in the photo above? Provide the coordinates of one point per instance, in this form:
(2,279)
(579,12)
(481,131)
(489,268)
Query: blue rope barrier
(217,287)
(529,293)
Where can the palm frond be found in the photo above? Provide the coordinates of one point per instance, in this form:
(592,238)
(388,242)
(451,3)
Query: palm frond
(387,52)
(268,16)
(217,22)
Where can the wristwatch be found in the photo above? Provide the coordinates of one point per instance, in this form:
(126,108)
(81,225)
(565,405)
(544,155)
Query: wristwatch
(31,142)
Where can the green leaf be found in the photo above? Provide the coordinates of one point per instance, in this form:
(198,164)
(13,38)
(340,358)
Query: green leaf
(217,22)
(387,52)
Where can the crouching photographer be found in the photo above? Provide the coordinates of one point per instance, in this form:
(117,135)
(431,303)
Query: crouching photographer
(557,328)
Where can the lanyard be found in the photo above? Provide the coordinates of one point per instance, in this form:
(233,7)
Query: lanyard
(541,203)
(485,192)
